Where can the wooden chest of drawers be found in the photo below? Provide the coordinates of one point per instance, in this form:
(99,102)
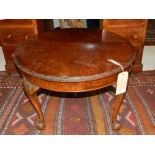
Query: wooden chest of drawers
(13,32)
(132,29)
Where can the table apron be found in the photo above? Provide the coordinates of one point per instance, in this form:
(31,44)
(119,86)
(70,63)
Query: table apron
(71,86)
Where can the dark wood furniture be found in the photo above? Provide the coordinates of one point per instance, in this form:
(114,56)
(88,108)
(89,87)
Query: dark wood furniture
(132,29)
(13,32)
(150,33)
(72,60)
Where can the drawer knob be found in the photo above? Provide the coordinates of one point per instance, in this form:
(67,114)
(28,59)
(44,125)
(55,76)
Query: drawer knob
(135,36)
(9,36)
(26,37)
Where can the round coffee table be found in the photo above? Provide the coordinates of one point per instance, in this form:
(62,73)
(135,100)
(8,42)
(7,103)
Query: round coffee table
(72,60)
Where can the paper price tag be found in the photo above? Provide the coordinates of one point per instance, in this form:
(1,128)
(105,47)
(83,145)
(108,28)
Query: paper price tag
(122,81)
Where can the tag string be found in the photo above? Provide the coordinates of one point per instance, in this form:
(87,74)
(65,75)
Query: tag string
(116,63)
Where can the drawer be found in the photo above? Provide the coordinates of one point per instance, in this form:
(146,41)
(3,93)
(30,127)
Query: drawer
(112,23)
(16,22)
(134,35)
(14,36)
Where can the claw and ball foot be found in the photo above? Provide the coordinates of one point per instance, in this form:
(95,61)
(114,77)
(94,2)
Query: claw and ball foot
(116,126)
(40,125)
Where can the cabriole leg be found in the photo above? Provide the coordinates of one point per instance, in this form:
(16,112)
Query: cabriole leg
(31,92)
(117,105)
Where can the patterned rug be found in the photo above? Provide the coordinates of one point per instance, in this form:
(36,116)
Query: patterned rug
(78,114)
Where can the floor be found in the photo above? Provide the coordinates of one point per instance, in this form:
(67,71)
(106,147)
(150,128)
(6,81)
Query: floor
(148,59)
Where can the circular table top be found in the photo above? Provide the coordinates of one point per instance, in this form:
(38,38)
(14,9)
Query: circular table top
(73,55)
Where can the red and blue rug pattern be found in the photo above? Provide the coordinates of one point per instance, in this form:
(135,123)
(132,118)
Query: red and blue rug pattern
(78,114)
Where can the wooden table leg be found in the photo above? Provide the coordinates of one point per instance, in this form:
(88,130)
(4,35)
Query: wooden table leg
(31,92)
(117,104)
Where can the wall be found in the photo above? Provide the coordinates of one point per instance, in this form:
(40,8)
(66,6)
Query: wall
(148,59)
(2,60)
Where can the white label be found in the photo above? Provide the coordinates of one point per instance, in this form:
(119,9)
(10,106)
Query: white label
(122,81)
